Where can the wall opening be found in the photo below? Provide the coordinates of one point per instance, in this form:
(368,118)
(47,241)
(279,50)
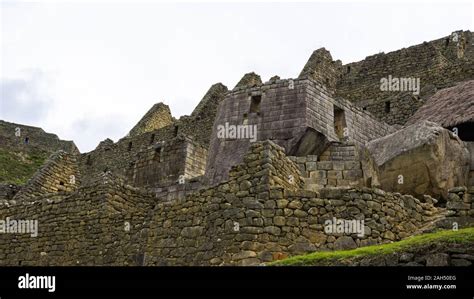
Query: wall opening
(176,130)
(61,183)
(348,69)
(129,146)
(152,138)
(27,140)
(89,161)
(157,154)
(255,104)
(339,122)
(387,107)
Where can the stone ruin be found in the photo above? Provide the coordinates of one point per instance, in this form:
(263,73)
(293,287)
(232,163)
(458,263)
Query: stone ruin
(296,153)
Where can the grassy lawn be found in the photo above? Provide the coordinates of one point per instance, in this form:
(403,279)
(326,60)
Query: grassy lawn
(460,236)
(16,168)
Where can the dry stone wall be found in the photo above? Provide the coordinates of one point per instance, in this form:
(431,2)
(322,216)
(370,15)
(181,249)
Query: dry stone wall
(157,130)
(262,213)
(103,223)
(20,138)
(59,173)
(157,117)
(330,173)
(8,191)
(361,125)
(250,219)
(118,157)
(168,162)
(461,201)
(439,64)
(199,124)
(286,109)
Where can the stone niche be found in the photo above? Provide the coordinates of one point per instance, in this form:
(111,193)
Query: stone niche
(423,158)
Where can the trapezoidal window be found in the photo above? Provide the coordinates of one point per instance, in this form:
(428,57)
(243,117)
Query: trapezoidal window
(157,154)
(255,104)
(387,107)
(129,146)
(339,122)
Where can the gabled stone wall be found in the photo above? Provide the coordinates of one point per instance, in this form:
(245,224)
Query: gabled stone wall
(31,137)
(287,110)
(59,173)
(439,64)
(168,162)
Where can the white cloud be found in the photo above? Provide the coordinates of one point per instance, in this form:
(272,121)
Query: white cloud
(25,99)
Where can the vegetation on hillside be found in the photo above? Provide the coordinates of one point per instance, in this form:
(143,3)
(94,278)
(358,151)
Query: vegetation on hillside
(445,236)
(17,168)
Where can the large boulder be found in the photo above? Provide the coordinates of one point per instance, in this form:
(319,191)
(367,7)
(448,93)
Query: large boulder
(423,158)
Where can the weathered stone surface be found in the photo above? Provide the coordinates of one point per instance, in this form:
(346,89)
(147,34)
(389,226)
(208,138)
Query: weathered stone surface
(344,242)
(415,160)
(437,259)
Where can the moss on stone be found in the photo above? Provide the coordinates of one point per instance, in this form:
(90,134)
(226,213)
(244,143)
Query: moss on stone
(446,236)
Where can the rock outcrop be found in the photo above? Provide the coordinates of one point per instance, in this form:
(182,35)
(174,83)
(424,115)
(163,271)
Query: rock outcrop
(423,158)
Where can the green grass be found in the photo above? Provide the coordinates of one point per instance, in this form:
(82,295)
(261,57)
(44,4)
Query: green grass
(448,236)
(17,168)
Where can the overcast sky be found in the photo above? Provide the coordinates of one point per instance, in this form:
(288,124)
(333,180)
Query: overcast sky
(90,71)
